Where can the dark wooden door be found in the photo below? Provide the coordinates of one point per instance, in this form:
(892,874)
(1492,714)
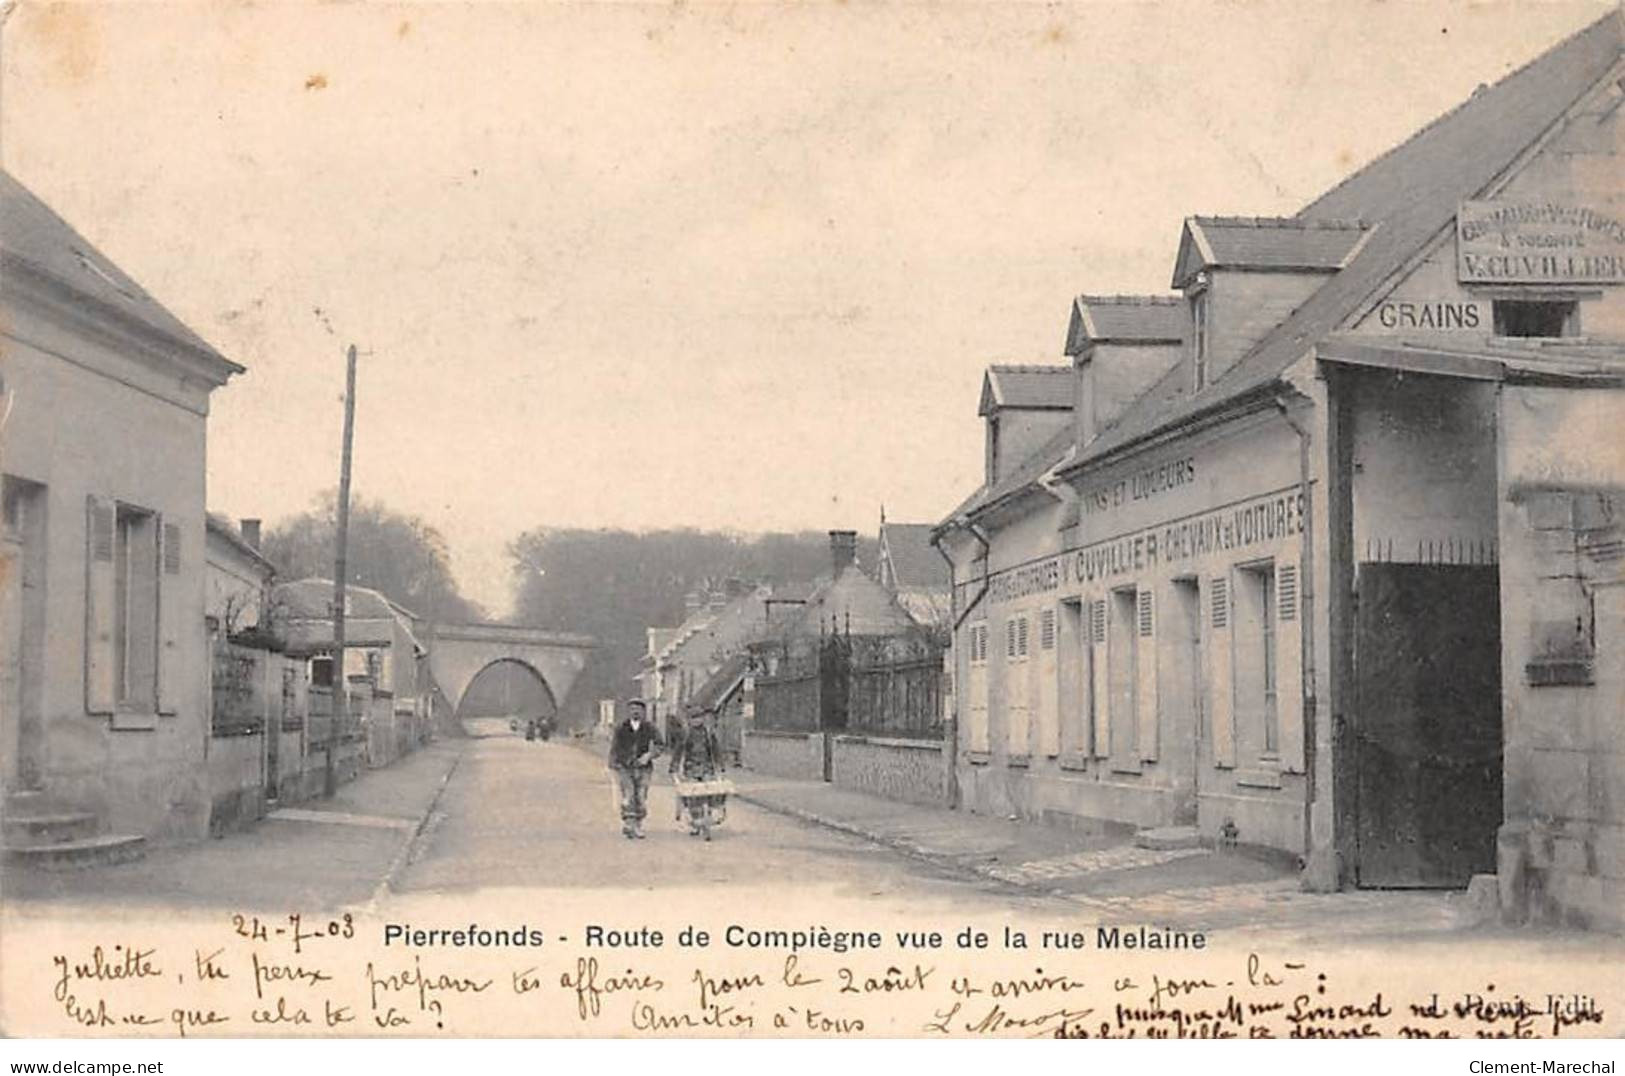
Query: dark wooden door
(1428,724)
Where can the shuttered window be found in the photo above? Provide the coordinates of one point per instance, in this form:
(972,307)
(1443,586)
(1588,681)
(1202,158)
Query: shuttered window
(1287,591)
(123,610)
(1221,601)
(1046,630)
(976,689)
(172,549)
(101,531)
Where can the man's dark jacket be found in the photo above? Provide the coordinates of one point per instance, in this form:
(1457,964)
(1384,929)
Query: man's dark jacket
(630,744)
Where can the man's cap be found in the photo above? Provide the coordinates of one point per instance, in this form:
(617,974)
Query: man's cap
(639,703)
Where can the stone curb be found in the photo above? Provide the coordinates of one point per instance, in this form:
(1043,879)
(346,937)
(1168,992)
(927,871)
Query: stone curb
(896,844)
(404,856)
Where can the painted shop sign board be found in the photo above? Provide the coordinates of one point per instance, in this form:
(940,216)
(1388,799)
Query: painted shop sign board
(1538,243)
(1140,486)
(1273,517)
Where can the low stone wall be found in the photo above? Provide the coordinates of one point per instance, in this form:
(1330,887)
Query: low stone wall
(910,771)
(799,755)
(290,767)
(236,770)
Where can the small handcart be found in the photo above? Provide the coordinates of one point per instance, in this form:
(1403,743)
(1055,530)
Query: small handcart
(705,802)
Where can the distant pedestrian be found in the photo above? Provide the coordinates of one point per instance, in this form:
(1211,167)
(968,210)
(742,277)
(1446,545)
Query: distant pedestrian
(632,754)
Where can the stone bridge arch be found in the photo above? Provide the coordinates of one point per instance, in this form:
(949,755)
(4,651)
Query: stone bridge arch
(458,653)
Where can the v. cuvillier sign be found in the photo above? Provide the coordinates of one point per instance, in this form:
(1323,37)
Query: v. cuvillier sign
(1272,517)
(1538,243)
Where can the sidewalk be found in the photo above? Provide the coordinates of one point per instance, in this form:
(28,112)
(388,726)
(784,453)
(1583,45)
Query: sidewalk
(1110,876)
(318,855)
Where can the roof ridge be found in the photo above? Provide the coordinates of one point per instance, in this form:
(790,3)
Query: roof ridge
(1296,223)
(1483,87)
(1131,300)
(1031,367)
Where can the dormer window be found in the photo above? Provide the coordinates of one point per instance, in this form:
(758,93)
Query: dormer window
(1199,335)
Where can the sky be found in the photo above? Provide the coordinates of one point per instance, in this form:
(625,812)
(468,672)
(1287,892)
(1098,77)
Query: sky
(724,266)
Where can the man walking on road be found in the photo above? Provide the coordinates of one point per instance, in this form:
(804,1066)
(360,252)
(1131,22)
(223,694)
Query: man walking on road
(632,754)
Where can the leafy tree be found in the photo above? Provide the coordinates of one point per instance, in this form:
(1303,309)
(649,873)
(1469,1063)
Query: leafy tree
(398,555)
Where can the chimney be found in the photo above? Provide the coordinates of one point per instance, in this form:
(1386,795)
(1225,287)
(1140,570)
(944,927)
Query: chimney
(843,549)
(251,532)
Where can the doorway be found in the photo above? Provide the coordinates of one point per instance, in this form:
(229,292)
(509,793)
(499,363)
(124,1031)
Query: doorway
(1428,731)
(1183,687)
(22,633)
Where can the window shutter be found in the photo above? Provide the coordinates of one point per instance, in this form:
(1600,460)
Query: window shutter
(1146,674)
(1049,687)
(170,615)
(1286,592)
(1021,638)
(976,689)
(1220,673)
(1289,669)
(100,522)
(1102,680)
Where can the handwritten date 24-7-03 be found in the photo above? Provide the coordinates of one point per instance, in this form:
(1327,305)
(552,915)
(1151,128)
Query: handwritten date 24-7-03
(295,929)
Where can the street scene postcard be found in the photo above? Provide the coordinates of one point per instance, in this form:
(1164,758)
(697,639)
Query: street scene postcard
(825,520)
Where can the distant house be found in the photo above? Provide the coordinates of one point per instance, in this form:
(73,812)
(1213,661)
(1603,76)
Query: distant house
(915,573)
(104,702)
(381,661)
(849,690)
(259,748)
(848,600)
(721,621)
(239,577)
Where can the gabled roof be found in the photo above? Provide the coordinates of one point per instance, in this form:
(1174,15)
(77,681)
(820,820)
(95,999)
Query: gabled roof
(312,599)
(34,238)
(907,549)
(1125,319)
(713,632)
(850,602)
(1264,243)
(221,527)
(1409,196)
(1028,387)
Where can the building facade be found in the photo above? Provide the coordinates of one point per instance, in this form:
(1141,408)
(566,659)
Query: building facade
(389,702)
(104,703)
(1325,560)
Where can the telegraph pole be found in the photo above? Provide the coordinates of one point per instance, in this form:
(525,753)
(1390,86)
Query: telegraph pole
(341,685)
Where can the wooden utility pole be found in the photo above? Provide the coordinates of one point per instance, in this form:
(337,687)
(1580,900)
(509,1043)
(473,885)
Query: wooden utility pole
(341,684)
